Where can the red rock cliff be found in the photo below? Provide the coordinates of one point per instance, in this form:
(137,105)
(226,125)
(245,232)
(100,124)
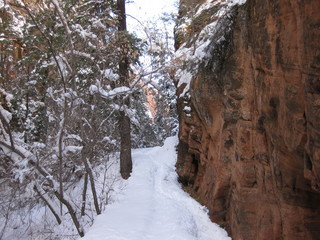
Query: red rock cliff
(248,80)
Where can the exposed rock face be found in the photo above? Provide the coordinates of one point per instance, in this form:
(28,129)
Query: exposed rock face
(250,122)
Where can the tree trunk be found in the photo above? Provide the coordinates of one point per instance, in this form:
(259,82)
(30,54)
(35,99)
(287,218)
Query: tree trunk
(6,127)
(124,120)
(84,195)
(92,184)
(125,148)
(72,213)
(54,212)
(60,154)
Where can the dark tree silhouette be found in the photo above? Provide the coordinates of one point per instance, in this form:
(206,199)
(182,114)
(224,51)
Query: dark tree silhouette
(124,120)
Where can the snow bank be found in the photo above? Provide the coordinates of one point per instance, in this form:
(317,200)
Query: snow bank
(153,206)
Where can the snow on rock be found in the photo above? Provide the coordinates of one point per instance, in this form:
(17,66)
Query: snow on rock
(185,78)
(187,109)
(153,206)
(201,47)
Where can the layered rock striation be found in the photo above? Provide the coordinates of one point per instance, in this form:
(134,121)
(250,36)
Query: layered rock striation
(248,78)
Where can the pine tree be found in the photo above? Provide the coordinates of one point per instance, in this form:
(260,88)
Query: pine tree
(71,90)
(63,120)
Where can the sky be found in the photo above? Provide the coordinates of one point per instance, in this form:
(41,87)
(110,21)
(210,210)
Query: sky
(143,15)
(146,10)
(143,9)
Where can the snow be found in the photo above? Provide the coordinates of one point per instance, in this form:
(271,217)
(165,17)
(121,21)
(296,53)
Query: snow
(75,137)
(110,93)
(201,50)
(36,222)
(187,109)
(17,25)
(83,33)
(109,74)
(64,21)
(72,149)
(114,92)
(153,206)
(93,89)
(209,4)
(8,96)
(85,71)
(109,141)
(5,114)
(239,2)
(38,145)
(185,78)
(81,54)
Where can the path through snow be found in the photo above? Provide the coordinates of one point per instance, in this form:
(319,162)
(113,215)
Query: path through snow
(153,206)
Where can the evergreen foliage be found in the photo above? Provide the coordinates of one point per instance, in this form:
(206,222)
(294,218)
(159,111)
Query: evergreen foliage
(61,98)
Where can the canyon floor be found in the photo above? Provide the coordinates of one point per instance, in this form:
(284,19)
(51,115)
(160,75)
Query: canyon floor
(153,206)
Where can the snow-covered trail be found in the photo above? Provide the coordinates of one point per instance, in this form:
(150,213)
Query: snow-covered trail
(153,206)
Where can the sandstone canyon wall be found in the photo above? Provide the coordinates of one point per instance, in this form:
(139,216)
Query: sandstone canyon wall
(248,77)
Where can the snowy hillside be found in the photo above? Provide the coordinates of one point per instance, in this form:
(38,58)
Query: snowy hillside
(153,206)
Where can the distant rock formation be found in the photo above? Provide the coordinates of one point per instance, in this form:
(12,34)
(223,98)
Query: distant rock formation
(248,78)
